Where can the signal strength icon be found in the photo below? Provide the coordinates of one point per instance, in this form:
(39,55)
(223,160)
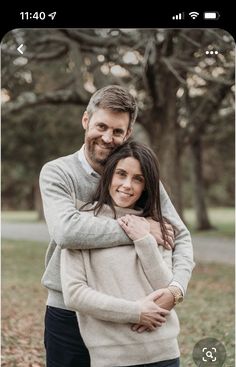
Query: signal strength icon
(178,16)
(193,14)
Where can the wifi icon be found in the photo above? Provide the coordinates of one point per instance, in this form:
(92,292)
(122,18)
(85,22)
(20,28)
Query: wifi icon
(193,14)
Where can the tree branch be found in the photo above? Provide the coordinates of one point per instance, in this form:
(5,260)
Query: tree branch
(30,99)
(199,118)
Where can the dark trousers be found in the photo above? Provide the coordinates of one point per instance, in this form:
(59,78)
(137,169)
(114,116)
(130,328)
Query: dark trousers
(169,363)
(62,339)
(64,344)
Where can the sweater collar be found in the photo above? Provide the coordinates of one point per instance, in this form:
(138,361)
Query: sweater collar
(108,212)
(85,164)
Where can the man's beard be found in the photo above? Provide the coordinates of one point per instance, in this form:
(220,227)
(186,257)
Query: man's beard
(99,160)
(95,157)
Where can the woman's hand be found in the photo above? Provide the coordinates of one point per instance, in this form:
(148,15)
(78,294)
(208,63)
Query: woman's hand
(152,315)
(135,227)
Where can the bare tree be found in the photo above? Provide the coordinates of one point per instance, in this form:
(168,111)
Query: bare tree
(178,87)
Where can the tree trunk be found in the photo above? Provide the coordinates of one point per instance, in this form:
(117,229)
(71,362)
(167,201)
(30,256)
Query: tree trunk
(38,205)
(163,131)
(202,219)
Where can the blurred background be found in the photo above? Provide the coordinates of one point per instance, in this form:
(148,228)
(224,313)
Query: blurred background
(185,97)
(183,80)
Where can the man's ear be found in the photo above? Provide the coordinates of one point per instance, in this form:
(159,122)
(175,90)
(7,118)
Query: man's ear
(129,132)
(85,120)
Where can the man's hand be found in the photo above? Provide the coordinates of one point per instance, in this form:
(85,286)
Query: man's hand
(155,230)
(165,300)
(152,315)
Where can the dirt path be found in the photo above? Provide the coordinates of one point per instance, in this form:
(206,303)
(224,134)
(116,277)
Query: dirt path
(214,249)
(206,249)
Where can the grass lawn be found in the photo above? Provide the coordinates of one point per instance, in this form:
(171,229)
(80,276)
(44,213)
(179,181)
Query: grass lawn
(21,216)
(222,219)
(23,304)
(208,310)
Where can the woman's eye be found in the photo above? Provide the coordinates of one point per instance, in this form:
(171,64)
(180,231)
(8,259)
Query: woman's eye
(139,179)
(121,173)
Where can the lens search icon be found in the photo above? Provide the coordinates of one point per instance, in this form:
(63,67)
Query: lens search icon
(209,354)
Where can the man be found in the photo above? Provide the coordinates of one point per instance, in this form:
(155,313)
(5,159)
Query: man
(108,122)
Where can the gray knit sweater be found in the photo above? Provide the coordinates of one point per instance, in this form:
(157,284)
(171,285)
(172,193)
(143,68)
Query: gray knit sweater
(94,282)
(60,181)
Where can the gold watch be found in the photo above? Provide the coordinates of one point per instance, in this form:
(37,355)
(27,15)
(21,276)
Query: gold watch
(176,292)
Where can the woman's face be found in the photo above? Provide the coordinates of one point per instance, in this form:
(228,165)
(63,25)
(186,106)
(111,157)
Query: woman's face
(127,183)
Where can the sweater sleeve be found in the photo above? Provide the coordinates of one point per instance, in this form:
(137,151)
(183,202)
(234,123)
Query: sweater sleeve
(68,227)
(183,262)
(80,297)
(158,270)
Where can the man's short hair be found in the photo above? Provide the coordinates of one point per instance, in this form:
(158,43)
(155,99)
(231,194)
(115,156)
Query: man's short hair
(114,98)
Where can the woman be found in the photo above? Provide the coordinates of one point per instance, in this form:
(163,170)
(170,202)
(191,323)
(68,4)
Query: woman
(100,283)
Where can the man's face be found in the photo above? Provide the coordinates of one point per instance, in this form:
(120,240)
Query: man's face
(103,132)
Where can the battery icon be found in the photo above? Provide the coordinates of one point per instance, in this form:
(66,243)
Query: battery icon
(211,15)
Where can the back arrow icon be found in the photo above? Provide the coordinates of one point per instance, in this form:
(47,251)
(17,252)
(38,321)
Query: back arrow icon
(20,49)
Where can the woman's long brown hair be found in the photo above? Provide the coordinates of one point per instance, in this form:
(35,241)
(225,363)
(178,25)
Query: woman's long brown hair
(149,201)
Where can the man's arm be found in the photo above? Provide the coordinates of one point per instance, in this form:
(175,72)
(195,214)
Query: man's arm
(182,258)
(80,297)
(66,225)
(183,263)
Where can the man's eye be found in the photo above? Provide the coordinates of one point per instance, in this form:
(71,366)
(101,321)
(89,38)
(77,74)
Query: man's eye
(118,133)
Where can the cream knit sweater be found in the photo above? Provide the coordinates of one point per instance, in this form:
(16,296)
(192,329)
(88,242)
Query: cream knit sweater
(65,178)
(102,284)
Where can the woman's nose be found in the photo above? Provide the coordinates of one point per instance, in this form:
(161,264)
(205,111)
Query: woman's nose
(127,182)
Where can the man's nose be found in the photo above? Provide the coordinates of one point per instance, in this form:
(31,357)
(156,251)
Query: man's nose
(107,137)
